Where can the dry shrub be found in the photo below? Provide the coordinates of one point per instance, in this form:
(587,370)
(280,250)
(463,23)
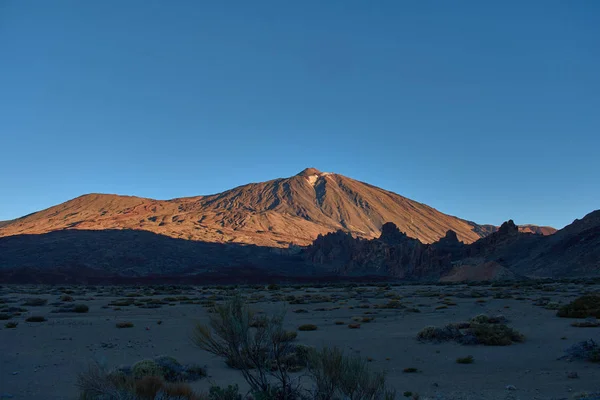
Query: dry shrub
(582,307)
(336,375)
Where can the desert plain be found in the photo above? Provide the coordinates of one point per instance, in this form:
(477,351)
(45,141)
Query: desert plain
(41,360)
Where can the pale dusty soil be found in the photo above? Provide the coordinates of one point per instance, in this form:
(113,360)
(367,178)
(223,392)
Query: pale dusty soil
(41,360)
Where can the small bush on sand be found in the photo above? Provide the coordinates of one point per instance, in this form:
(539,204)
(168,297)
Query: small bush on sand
(36,318)
(354,326)
(465,360)
(587,323)
(231,392)
(146,368)
(80,308)
(495,334)
(11,325)
(124,325)
(336,375)
(490,333)
(262,354)
(66,298)
(307,327)
(35,302)
(4,317)
(147,379)
(582,307)
(266,355)
(410,370)
(434,334)
(588,350)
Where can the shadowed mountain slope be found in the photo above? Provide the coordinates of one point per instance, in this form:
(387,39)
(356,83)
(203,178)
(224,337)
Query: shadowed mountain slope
(505,253)
(276,213)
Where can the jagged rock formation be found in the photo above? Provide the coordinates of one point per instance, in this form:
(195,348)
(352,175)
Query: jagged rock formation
(392,254)
(505,254)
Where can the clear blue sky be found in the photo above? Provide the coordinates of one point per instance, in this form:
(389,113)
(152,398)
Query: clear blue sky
(484,110)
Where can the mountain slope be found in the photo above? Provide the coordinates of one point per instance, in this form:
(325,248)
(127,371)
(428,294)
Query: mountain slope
(274,213)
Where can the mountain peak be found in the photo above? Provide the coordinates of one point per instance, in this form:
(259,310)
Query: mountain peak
(309,172)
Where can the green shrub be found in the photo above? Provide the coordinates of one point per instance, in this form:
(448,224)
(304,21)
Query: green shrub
(336,375)
(588,323)
(465,360)
(410,370)
(262,355)
(36,318)
(495,334)
(582,307)
(11,325)
(232,392)
(80,308)
(307,327)
(146,368)
(4,317)
(124,324)
(35,302)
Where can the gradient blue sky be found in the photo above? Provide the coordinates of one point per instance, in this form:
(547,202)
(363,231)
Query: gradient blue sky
(484,110)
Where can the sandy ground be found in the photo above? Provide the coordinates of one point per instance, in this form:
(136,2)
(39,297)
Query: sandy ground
(41,360)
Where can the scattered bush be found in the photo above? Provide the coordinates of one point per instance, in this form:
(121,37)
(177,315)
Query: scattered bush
(465,360)
(582,307)
(80,308)
(36,318)
(354,326)
(124,324)
(4,317)
(495,334)
(434,334)
(232,392)
(307,327)
(66,298)
(146,368)
(490,333)
(339,322)
(588,323)
(147,379)
(35,302)
(587,350)
(410,370)
(263,355)
(336,375)
(11,325)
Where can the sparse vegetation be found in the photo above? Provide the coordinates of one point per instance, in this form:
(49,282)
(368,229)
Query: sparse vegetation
(148,379)
(482,329)
(465,360)
(588,323)
(36,318)
(588,350)
(124,324)
(336,375)
(10,325)
(80,308)
(307,327)
(582,307)
(35,302)
(265,355)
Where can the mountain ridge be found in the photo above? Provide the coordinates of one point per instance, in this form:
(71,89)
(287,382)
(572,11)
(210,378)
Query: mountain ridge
(276,213)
